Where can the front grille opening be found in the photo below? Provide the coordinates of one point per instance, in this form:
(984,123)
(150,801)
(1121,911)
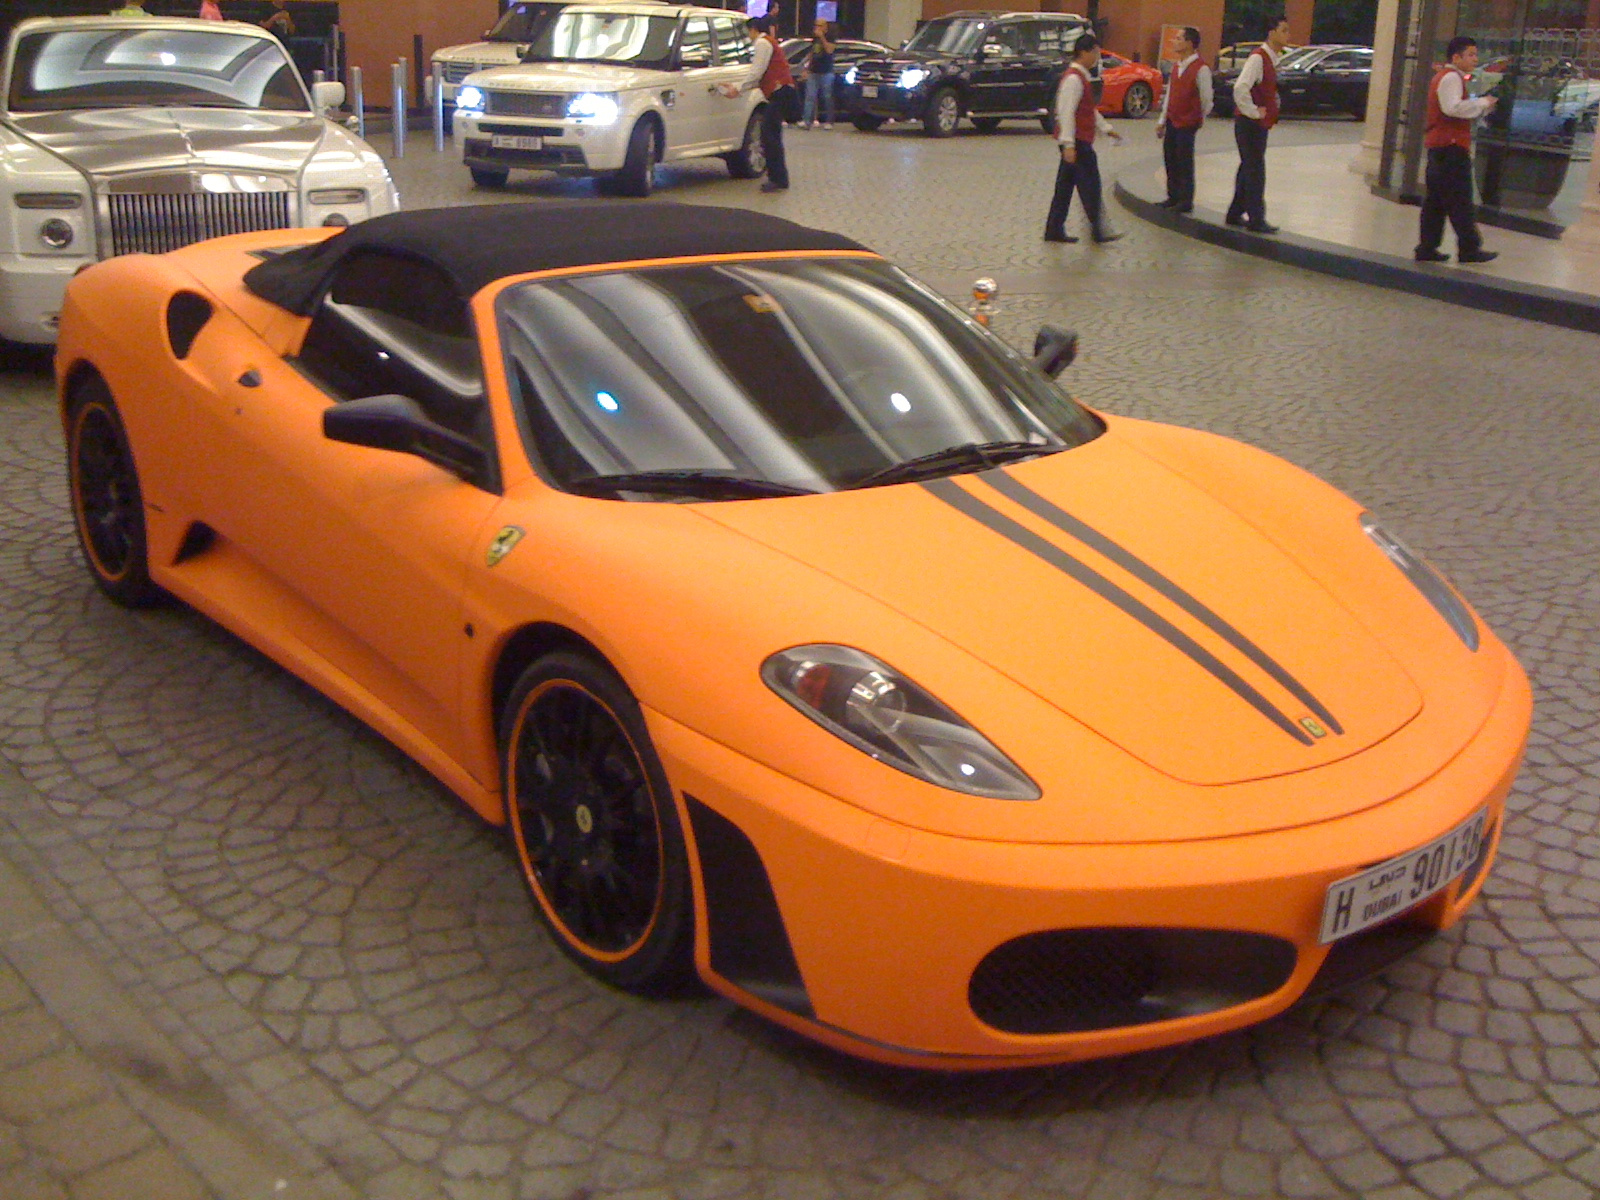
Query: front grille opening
(1076,980)
(154,223)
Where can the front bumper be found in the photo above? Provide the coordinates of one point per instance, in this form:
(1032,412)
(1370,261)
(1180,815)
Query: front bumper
(891,103)
(31,291)
(561,145)
(889,924)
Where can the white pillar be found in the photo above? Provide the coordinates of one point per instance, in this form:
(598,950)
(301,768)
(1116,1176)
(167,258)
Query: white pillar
(1585,231)
(1386,48)
(892,21)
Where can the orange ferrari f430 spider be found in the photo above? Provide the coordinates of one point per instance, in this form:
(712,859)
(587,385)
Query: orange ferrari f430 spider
(805,637)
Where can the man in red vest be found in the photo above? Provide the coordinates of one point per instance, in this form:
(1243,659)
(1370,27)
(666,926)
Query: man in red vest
(769,70)
(1448,138)
(1183,111)
(1077,122)
(1255,103)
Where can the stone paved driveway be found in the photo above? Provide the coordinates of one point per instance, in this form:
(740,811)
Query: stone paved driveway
(345,974)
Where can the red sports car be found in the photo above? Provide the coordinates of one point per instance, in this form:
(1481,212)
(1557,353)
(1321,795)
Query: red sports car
(1128,89)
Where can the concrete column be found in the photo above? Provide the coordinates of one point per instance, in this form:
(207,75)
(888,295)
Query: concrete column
(892,21)
(1386,49)
(1585,231)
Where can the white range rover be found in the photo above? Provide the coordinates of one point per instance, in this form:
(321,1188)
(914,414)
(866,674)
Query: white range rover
(614,89)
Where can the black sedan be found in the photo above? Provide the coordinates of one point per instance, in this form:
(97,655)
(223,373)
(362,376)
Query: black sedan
(847,52)
(1312,79)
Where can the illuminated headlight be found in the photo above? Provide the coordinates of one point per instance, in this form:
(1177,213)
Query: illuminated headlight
(469,98)
(879,711)
(850,74)
(1428,581)
(55,200)
(594,108)
(912,77)
(56,233)
(338,196)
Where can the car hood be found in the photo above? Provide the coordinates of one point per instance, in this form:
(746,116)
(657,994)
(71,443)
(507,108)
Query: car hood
(569,77)
(482,52)
(122,141)
(1122,594)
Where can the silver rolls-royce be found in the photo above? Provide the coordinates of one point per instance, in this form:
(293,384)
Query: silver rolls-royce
(121,135)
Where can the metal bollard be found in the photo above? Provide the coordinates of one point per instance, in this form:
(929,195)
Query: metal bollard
(358,101)
(438,108)
(983,307)
(400,107)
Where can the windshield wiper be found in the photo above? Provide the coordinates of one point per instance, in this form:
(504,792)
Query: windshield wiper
(686,482)
(953,460)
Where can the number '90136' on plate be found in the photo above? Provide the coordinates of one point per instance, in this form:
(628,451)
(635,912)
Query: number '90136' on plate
(1358,902)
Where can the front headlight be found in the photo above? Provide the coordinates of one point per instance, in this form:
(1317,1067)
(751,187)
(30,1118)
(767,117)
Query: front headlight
(912,77)
(469,98)
(1428,581)
(850,74)
(879,711)
(594,108)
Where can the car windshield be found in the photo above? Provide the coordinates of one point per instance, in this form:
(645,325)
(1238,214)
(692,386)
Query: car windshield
(160,67)
(810,374)
(949,35)
(1300,57)
(521,22)
(605,37)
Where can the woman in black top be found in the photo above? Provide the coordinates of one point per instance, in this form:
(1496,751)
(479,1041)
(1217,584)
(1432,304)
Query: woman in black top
(819,77)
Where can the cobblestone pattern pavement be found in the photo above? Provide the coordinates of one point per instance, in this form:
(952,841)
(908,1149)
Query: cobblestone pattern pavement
(346,956)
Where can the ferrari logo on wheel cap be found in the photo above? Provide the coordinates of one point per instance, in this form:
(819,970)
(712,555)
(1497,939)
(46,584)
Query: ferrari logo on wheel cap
(503,542)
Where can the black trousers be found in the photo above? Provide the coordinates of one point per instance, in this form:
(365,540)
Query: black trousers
(772,139)
(1449,194)
(1177,149)
(1083,175)
(1250,184)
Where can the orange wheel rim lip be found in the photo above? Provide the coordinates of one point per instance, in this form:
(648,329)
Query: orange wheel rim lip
(513,809)
(78,510)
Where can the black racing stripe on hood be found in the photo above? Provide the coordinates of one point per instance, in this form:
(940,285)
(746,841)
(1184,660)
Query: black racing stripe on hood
(1137,567)
(969,505)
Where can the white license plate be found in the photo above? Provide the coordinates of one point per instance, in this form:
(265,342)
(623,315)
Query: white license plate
(516,141)
(869,90)
(1378,893)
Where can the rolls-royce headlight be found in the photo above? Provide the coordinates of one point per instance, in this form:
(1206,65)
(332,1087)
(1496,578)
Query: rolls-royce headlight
(594,108)
(912,77)
(48,200)
(469,98)
(338,196)
(879,711)
(57,234)
(1427,580)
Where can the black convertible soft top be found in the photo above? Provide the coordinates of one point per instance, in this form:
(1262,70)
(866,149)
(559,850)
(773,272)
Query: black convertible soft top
(477,245)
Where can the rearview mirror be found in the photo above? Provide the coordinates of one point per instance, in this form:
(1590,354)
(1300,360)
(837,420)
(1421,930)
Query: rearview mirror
(326,95)
(1054,349)
(398,423)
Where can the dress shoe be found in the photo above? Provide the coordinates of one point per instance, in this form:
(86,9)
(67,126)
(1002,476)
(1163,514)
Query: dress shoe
(769,186)
(1102,237)
(1430,256)
(1233,219)
(1059,237)
(1183,208)
(1261,227)
(1477,256)
(1167,203)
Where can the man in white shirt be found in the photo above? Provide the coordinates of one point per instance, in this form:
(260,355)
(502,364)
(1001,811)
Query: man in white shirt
(1448,137)
(1255,100)
(1184,106)
(1078,119)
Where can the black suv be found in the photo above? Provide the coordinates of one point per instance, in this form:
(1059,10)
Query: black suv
(983,65)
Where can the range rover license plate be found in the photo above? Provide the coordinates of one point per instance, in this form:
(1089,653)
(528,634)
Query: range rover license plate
(1358,902)
(516,141)
(869,90)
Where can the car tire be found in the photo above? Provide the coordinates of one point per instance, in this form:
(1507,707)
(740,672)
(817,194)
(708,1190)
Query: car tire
(866,123)
(1048,124)
(943,114)
(594,826)
(1136,100)
(489,177)
(107,502)
(749,160)
(986,124)
(638,174)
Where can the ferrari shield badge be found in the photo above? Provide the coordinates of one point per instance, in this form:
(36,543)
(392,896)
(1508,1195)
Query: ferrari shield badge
(503,542)
(1312,726)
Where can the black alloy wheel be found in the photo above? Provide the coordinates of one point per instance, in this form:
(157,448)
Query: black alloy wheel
(594,825)
(944,113)
(107,504)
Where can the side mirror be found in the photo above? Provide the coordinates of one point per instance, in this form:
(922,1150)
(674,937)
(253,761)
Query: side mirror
(398,423)
(1054,349)
(326,95)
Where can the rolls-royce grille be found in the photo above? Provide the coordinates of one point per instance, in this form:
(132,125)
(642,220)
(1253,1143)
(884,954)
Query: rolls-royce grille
(524,104)
(154,224)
